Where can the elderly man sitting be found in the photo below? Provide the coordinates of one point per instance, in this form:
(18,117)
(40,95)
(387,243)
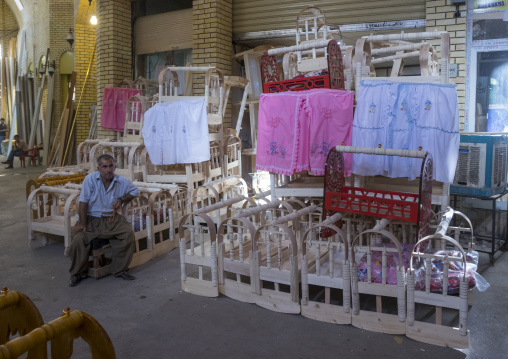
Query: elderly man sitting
(102,194)
(18,149)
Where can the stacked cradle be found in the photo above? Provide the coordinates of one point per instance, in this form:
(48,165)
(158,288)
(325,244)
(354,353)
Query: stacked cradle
(225,150)
(355,266)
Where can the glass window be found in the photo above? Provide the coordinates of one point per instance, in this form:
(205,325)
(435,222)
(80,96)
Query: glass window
(489,26)
(492,91)
(149,66)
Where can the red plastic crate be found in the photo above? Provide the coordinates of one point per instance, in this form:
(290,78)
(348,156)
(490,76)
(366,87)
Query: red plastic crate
(306,83)
(384,204)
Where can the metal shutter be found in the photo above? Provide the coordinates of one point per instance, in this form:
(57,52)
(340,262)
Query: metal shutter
(265,15)
(163,32)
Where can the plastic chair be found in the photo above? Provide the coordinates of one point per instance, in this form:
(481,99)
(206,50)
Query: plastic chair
(32,154)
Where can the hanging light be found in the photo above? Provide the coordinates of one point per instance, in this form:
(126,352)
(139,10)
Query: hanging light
(70,37)
(93,19)
(51,67)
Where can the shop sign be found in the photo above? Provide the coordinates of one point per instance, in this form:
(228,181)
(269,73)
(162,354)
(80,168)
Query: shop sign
(490,5)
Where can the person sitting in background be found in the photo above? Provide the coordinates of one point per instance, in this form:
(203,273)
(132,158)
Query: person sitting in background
(19,148)
(3,133)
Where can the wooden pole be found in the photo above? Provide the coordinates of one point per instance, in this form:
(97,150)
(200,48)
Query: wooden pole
(34,126)
(49,114)
(79,103)
(65,120)
(14,122)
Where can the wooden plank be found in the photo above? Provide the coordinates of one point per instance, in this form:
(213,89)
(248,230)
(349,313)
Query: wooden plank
(198,260)
(242,268)
(199,287)
(379,322)
(30,88)
(319,63)
(439,315)
(8,96)
(49,115)
(140,258)
(327,313)
(299,192)
(56,145)
(438,335)
(379,304)
(178,98)
(23,128)
(275,275)
(326,281)
(385,290)
(164,246)
(438,300)
(277,301)
(65,120)
(14,115)
(238,291)
(2,87)
(100,272)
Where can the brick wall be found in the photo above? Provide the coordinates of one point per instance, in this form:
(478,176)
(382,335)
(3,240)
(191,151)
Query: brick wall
(212,40)
(114,48)
(9,28)
(60,20)
(439,16)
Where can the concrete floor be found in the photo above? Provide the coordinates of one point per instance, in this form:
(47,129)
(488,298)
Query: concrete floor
(151,318)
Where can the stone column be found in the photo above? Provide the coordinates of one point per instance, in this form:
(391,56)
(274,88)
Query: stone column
(212,23)
(114,48)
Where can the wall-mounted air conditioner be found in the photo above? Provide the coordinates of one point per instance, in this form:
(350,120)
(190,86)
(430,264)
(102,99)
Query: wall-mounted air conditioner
(482,164)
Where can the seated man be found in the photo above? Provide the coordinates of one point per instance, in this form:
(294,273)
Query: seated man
(102,194)
(3,132)
(18,149)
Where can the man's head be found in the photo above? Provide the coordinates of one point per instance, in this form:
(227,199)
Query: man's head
(2,120)
(106,167)
(17,138)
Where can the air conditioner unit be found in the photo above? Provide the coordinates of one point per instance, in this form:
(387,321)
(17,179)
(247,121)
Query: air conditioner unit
(482,164)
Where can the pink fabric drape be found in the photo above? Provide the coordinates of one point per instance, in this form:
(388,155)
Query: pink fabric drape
(114,103)
(297,129)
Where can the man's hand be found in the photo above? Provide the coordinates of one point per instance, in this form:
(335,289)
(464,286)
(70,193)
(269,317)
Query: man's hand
(118,204)
(78,227)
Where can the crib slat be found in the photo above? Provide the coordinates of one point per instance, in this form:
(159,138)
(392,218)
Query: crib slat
(379,304)
(240,243)
(369,266)
(446,267)
(439,315)
(202,242)
(384,266)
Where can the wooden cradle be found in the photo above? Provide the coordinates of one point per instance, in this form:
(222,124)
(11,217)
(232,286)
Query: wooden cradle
(192,174)
(168,204)
(334,79)
(52,210)
(310,21)
(274,262)
(55,180)
(436,333)
(325,266)
(210,203)
(389,205)
(234,241)
(202,254)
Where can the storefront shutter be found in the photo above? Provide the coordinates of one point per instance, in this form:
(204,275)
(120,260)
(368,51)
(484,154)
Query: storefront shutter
(265,15)
(163,32)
